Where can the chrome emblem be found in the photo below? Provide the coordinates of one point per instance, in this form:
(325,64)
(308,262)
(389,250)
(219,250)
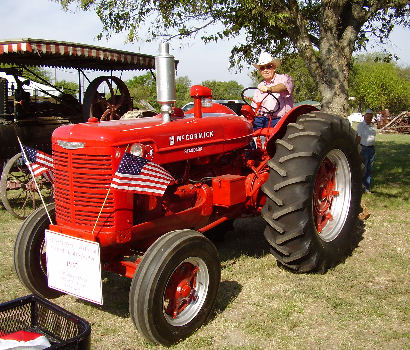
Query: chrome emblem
(70,145)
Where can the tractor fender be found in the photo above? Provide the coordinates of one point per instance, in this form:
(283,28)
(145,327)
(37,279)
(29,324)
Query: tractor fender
(280,128)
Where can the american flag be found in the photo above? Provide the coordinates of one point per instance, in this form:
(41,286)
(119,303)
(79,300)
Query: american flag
(40,163)
(139,175)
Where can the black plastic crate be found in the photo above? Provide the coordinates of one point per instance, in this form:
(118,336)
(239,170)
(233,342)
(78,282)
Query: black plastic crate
(63,329)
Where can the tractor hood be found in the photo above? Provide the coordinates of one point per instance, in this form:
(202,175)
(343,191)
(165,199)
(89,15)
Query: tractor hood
(174,141)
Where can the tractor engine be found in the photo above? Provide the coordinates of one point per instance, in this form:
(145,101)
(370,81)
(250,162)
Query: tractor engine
(204,151)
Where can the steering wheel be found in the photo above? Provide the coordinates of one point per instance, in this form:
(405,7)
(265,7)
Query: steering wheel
(259,104)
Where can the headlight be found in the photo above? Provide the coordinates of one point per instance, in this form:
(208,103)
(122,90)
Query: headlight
(137,150)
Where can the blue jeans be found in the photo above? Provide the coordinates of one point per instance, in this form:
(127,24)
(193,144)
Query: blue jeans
(263,122)
(368,154)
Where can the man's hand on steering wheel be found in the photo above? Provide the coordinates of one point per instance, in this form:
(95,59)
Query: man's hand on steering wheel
(258,105)
(263,88)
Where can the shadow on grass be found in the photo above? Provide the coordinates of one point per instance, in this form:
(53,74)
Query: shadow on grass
(227,292)
(115,295)
(245,239)
(116,289)
(360,230)
(385,196)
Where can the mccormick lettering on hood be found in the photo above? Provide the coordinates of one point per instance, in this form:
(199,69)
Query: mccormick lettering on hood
(190,137)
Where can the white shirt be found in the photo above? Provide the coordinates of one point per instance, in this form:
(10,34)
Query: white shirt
(367,133)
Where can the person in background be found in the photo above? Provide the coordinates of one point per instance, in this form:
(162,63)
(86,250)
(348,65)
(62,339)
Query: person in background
(366,134)
(281,85)
(379,119)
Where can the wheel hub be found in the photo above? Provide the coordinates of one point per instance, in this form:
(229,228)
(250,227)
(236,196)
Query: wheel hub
(332,195)
(181,289)
(324,193)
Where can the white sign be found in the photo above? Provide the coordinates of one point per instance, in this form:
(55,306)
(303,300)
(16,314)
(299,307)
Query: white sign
(73,266)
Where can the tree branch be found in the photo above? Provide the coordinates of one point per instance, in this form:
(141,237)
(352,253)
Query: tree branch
(192,31)
(302,39)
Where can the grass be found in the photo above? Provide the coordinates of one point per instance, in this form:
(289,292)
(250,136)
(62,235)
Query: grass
(361,304)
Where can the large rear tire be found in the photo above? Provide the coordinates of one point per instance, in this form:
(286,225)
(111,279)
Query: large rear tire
(175,286)
(30,253)
(313,193)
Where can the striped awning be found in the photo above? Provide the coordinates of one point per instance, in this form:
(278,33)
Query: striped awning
(38,52)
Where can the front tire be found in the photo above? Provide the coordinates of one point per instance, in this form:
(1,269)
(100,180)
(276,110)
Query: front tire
(175,286)
(30,253)
(313,193)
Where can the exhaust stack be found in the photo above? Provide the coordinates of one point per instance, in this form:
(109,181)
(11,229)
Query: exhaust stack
(166,90)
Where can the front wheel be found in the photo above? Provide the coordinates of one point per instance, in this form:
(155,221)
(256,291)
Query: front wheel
(175,286)
(30,253)
(313,193)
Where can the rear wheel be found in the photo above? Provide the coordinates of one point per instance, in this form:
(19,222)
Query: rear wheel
(313,193)
(175,286)
(30,253)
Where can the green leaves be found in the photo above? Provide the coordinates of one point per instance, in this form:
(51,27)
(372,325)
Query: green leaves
(67,87)
(380,85)
(224,90)
(305,87)
(281,27)
(143,87)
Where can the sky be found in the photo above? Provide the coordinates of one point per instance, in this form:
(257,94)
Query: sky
(46,20)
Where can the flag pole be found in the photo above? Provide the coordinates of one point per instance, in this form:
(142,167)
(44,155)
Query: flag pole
(34,179)
(99,214)
(105,200)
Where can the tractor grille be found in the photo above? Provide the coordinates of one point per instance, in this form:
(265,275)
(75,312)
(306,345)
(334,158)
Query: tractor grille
(81,186)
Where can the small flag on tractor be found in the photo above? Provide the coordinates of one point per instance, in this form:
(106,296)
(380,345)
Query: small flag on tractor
(139,175)
(40,163)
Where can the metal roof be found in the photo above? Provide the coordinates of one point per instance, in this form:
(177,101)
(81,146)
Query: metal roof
(51,53)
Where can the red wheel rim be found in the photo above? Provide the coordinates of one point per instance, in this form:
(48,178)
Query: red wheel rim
(181,289)
(186,291)
(324,194)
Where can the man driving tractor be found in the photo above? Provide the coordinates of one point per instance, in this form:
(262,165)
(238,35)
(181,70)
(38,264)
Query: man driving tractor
(280,85)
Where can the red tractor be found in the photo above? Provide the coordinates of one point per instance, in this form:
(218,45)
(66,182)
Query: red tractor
(303,177)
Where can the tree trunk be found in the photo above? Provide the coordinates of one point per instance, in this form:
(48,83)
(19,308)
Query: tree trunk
(336,46)
(329,68)
(331,74)
(334,87)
